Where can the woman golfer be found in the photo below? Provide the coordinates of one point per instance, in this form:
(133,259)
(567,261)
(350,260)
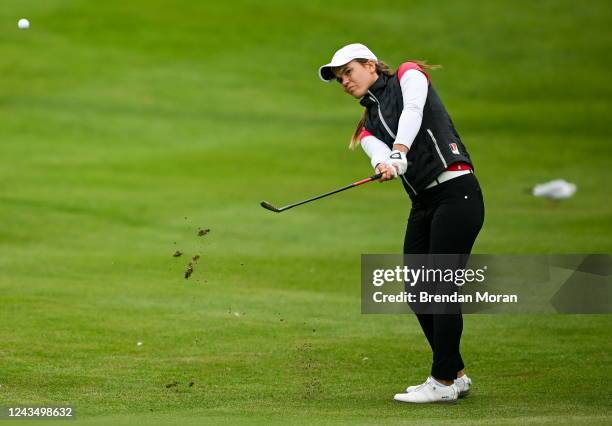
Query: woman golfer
(407,133)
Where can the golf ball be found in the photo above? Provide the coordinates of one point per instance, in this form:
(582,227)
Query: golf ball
(23,24)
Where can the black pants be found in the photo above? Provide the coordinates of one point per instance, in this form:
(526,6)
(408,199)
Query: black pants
(445,219)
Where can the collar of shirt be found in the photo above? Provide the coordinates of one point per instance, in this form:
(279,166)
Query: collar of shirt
(377,88)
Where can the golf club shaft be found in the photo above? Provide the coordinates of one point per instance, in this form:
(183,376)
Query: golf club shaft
(352,185)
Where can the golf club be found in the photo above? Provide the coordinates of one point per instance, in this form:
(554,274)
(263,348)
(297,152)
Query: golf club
(270,207)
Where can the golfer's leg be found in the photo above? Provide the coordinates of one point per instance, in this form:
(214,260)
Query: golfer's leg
(416,241)
(454,228)
(447,359)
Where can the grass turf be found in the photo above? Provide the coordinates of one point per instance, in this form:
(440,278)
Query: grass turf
(126,126)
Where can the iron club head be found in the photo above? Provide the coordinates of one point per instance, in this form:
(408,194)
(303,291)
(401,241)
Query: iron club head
(270,207)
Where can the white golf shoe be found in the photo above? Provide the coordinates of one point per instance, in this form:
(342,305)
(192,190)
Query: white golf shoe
(411,388)
(430,391)
(463,383)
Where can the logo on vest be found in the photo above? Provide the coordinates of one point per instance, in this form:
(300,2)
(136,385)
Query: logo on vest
(454,148)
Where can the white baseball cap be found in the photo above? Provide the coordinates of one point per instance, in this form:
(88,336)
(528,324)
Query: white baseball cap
(343,57)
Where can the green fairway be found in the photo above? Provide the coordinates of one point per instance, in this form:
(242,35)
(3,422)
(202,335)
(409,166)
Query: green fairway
(127,126)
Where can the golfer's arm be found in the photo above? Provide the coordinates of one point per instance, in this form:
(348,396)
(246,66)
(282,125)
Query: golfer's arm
(376,149)
(399,147)
(414,92)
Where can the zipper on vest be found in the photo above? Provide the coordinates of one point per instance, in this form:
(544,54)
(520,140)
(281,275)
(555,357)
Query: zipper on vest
(382,120)
(408,183)
(437,148)
(384,123)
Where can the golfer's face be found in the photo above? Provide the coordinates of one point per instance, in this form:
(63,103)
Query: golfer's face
(356,78)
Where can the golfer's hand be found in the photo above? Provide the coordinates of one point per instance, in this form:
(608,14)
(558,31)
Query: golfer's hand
(398,161)
(388,172)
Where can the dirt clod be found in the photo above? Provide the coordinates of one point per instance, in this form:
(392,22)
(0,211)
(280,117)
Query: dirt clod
(189,270)
(177,253)
(202,232)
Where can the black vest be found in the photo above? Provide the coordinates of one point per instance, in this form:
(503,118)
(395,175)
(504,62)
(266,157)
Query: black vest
(435,147)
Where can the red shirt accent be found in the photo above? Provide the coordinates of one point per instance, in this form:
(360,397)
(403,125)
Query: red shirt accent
(459,166)
(364,133)
(409,66)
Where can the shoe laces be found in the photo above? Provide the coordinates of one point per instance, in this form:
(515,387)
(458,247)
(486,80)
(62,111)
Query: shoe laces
(422,385)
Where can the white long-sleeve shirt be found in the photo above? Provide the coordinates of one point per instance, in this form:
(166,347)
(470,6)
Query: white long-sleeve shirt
(414,85)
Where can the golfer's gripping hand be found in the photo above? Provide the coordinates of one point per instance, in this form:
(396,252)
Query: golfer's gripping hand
(388,172)
(394,166)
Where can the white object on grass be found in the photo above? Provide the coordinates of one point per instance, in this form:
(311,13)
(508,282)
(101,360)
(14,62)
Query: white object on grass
(430,391)
(463,383)
(555,189)
(23,24)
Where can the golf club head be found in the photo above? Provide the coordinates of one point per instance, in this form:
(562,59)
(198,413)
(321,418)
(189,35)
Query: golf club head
(270,207)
